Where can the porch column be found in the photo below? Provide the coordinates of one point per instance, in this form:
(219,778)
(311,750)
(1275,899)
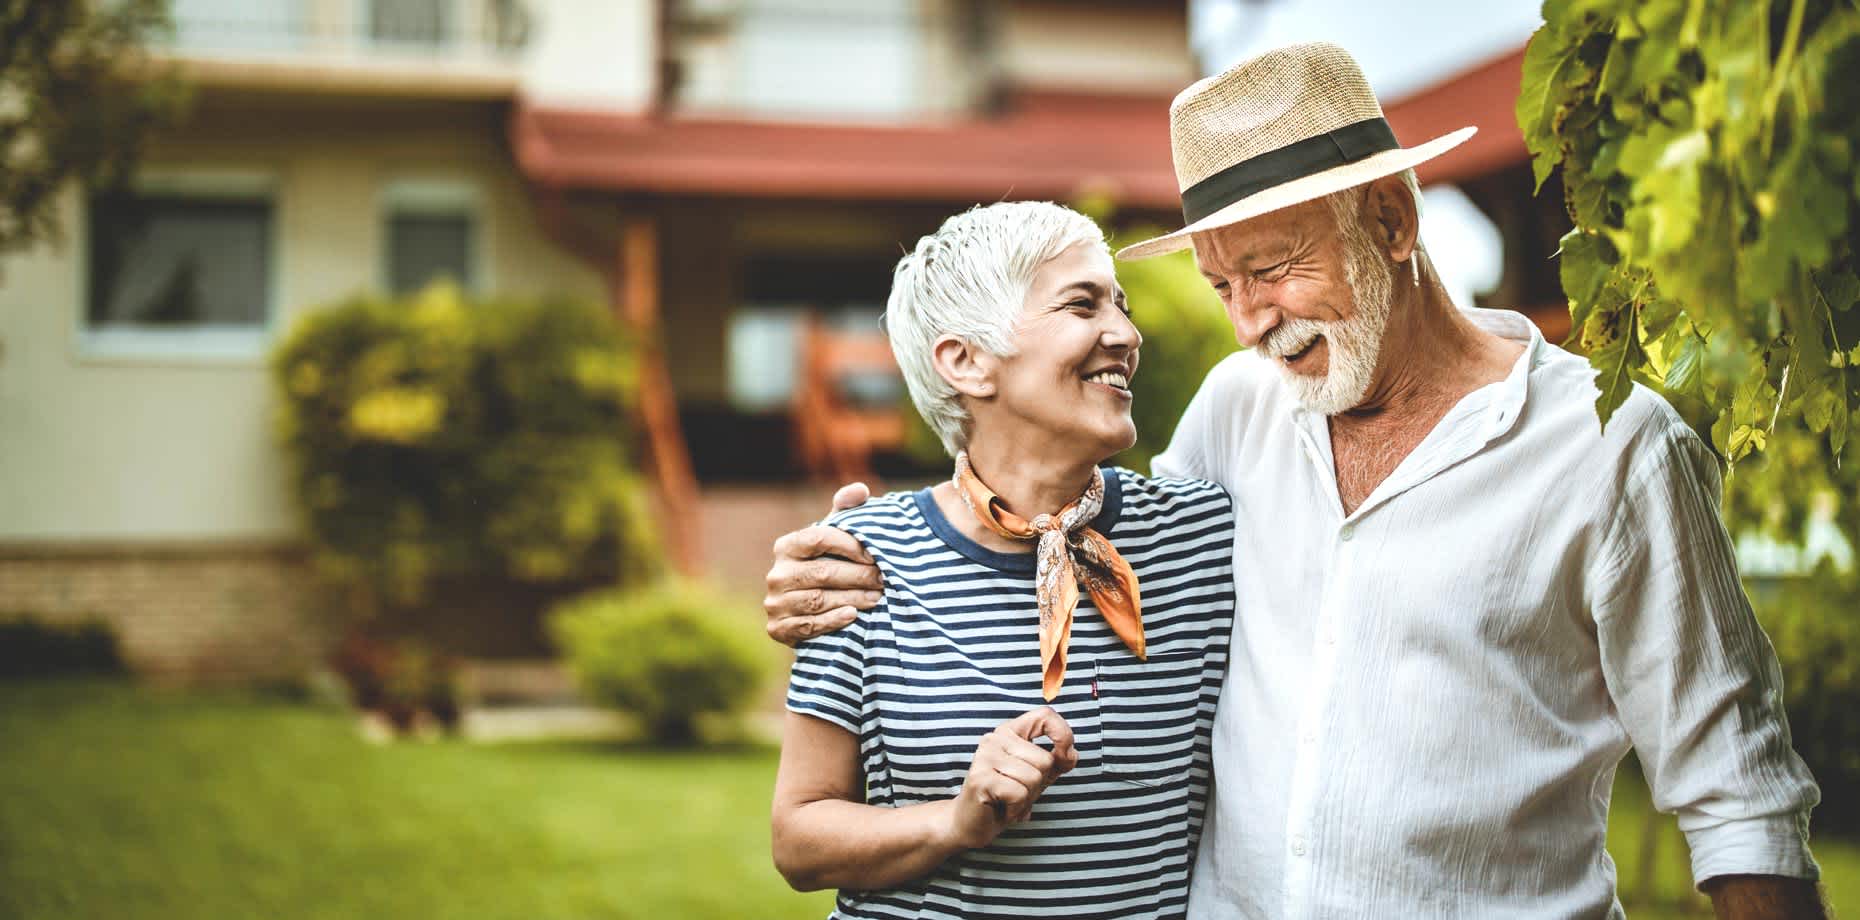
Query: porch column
(637,300)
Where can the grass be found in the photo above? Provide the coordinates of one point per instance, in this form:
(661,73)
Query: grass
(125,803)
(118,803)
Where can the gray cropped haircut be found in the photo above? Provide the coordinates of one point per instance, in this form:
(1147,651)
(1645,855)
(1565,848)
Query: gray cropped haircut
(970,279)
(1347,207)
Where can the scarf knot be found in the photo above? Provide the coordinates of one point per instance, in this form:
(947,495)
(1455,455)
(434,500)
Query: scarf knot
(1069,551)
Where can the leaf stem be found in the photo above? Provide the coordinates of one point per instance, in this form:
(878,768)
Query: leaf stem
(1792,36)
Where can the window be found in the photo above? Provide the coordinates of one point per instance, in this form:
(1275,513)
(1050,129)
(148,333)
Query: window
(409,22)
(170,266)
(806,58)
(431,230)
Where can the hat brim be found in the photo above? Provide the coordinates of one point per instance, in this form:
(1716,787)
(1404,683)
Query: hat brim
(1298,191)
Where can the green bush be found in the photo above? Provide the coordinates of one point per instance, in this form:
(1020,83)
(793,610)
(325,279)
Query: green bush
(1185,333)
(1814,622)
(30,647)
(665,653)
(430,436)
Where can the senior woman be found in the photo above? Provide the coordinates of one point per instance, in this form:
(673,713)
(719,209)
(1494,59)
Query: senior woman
(1074,618)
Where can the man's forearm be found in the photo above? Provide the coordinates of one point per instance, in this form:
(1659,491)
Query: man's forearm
(1765,897)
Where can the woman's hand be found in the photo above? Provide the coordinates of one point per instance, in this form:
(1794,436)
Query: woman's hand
(1009,774)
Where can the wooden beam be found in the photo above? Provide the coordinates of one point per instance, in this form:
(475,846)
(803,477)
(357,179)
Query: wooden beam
(637,301)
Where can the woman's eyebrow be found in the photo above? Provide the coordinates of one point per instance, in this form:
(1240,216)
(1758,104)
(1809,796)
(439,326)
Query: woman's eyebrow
(1090,287)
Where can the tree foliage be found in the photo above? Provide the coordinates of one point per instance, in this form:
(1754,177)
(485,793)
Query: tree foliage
(436,437)
(78,102)
(1707,150)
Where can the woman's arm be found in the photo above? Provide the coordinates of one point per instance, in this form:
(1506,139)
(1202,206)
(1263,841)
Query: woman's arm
(826,837)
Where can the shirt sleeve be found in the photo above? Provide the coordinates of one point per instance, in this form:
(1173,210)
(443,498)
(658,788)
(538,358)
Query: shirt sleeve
(828,677)
(1693,678)
(1188,452)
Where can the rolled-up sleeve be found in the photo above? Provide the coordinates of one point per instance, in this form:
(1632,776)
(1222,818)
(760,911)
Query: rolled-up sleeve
(1692,676)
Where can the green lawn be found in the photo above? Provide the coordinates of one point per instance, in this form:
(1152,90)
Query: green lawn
(122,803)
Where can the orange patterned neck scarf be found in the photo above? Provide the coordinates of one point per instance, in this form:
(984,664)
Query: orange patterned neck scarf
(1069,552)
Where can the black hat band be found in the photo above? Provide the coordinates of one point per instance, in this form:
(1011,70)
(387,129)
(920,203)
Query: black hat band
(1307,157)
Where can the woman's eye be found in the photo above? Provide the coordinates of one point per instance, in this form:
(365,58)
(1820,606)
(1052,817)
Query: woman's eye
(1271,271)
(1082,305)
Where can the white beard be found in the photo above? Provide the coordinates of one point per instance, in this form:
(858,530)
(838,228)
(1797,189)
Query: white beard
(1354,344)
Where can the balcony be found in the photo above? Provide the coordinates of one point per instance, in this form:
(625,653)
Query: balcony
(462,49)
(874,61)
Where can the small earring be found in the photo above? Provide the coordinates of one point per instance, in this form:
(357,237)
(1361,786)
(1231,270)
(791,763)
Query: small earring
(1414,261)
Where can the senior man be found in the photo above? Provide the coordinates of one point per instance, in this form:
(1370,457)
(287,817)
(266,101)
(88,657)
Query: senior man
(1459,601)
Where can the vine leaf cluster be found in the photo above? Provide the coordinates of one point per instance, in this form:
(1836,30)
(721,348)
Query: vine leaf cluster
(1707,150)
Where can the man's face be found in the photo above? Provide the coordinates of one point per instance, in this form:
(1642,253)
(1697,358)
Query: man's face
(1312,296)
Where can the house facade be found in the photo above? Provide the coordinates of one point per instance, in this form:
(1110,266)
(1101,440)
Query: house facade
(724,173)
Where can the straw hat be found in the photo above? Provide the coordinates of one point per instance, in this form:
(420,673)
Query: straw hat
(1288,126)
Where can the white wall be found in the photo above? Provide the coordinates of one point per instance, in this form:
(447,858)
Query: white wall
(126,447)
(592,54)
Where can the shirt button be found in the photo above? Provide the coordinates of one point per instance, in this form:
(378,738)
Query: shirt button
(1348,531)
(1298,846)
(1309,737)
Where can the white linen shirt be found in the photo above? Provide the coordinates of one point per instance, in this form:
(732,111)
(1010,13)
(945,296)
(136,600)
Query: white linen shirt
(1428,697)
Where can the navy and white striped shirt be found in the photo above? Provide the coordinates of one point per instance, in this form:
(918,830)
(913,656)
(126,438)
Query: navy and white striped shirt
(952,651)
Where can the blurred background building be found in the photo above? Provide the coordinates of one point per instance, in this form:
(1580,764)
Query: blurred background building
(737,177)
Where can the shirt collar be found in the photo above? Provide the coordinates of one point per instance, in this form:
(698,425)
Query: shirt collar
(1506,401)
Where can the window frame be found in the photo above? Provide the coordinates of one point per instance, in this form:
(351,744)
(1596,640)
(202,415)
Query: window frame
(203,343)
(433,197)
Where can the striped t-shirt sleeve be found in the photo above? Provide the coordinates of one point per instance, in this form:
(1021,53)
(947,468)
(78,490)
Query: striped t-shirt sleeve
(828,677)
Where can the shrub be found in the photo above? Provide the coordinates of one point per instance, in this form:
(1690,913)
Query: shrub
(30,647)
(1814,622)
(665,653)
(432,437)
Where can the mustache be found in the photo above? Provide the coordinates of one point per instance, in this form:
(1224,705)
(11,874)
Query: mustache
(1291,337)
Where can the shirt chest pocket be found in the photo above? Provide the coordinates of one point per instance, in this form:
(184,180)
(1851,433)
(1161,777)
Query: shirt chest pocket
(1147,715)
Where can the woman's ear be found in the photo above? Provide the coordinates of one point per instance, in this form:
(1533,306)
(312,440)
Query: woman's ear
(970,370)
(1392,218)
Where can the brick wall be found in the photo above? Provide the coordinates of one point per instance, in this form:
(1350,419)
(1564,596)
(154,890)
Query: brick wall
(184,614)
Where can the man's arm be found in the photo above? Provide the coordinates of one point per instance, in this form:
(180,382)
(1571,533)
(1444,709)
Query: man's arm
(821,578)
(1760,897)
(1698,688)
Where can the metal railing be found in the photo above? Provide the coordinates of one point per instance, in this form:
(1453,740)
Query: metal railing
(353,28)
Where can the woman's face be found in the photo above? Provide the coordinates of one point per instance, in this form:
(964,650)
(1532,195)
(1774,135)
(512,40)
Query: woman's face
(1069,385)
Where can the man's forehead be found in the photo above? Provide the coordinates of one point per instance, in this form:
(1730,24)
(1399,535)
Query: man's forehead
(1250,239)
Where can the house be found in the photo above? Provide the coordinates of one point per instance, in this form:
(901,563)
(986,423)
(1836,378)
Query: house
(728,174)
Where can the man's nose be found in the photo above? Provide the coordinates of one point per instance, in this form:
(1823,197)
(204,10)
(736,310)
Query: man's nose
(1251,314)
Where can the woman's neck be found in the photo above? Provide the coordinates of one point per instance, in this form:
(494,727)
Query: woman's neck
(1028,483)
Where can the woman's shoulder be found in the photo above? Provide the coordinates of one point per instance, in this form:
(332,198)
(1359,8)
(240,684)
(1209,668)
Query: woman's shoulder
(1170,495)
(883,509)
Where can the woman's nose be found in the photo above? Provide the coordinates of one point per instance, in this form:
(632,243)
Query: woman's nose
(1122,333)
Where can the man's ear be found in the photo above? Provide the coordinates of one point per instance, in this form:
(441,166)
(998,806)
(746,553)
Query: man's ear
(1391,217)
(970,370)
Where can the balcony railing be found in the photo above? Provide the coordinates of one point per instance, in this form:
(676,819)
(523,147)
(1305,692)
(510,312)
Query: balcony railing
(485,30)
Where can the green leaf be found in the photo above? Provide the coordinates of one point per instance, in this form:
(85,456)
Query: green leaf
(1687,371)
(1552,71)
(1614,353)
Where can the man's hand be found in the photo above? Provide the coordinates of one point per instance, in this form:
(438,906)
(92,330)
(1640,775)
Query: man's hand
(821,579)
(1764,897)
(1009,774)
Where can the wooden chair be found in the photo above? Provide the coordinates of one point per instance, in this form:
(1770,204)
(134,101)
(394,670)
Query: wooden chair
(837,429)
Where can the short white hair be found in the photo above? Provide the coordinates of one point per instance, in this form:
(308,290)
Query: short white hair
(1346,207)
(970,279)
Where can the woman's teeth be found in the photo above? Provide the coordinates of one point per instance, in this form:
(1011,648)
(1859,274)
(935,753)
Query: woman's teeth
(1110,378)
